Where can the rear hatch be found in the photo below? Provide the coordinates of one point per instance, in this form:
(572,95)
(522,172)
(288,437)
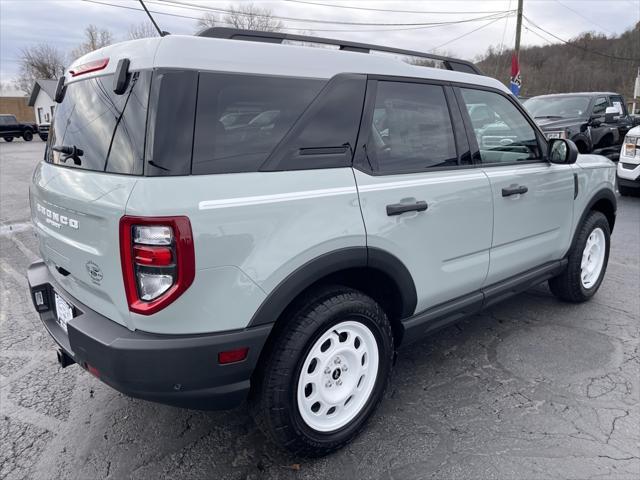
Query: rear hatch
(78,198)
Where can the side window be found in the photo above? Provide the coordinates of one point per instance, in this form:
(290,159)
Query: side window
(503,133)
(325,135)
(618,102)
(600,106)
(241,118)
(411,128)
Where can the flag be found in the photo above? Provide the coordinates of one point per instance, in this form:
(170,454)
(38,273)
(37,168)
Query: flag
(516,80)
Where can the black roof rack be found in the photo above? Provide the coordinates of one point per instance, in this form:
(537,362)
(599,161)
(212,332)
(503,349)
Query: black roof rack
(276,37)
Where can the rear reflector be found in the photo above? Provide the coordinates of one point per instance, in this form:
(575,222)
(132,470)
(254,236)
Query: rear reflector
(93,370)
(90,67)
(233,356)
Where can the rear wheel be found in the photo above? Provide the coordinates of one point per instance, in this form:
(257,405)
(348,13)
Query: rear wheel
(27,136)
(587,261)
(326,372)
(8,139)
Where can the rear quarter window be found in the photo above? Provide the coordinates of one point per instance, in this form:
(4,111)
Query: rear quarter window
(240,119)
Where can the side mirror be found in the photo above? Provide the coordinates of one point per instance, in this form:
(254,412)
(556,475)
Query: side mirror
(611,114)
(562,151)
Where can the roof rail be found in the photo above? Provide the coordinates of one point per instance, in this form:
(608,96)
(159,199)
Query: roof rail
(276,37)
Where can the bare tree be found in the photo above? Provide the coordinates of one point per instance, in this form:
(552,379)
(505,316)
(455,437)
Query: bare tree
(246,17)
(209,20)
(41,61)
(95,38)
(142,30)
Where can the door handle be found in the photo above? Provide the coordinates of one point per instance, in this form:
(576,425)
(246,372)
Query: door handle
(514,190)
(400,208)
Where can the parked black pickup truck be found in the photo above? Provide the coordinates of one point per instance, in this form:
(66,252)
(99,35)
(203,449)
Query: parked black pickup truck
(11,128)
(597,121)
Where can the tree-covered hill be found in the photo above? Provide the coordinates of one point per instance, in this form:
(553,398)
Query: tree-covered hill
(573,67)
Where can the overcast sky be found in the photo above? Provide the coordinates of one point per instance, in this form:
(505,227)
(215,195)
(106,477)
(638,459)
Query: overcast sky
(61,22)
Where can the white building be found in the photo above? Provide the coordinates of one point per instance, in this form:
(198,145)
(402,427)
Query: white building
(41,99)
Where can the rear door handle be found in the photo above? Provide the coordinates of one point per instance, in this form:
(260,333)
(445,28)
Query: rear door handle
(400,208)
(514,190)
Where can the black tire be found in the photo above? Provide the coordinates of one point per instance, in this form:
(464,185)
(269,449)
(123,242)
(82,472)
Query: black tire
(8,139)
(43,137)
(27,136)
(273,400)
(568,286)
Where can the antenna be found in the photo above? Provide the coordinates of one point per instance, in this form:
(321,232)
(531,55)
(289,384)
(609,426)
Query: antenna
(160,32)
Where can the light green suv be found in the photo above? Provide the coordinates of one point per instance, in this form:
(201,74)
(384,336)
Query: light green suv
(351,205)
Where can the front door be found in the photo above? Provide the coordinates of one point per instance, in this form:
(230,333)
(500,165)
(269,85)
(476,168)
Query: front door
(419,200)
(532,199)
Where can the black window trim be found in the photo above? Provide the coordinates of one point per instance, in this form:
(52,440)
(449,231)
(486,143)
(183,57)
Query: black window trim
(360,158)
(543,144)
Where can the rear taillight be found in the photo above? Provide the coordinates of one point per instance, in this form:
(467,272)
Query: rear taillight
(158,260)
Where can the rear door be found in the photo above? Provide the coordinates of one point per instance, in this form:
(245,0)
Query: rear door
(532,198)
(77,202)
(421,198)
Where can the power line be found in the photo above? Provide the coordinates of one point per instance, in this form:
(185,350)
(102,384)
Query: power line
(426,26)
(468,33)
(330,22)
(388,10)
(588,50)
(580,15)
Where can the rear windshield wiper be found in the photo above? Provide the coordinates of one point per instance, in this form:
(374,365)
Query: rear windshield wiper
(69,151)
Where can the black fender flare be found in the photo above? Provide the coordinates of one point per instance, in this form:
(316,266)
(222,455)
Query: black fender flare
(330,263)
(602,194)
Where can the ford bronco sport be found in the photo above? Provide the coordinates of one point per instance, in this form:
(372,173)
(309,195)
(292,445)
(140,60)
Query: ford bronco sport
(233,216)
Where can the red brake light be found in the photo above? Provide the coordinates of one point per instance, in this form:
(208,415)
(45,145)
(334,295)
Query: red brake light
(157,256)
(89,67)
(158,262)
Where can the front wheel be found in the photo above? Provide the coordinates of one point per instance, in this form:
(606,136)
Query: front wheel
(587,261)
(43,137)
(27,136)
(8,139)
(326,372)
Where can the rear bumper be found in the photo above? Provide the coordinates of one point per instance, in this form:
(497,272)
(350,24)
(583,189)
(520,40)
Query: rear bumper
(180,370)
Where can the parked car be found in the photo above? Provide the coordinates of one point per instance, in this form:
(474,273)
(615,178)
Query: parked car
(595,121)
(629,165)
(286,264)
(11,128)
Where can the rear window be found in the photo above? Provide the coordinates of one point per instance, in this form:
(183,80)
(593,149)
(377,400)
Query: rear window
(108,128)
(241,118)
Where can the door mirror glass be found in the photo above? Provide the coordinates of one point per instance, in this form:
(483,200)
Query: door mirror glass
(562,151)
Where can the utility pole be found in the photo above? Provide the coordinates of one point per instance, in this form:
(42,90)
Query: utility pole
(518,28)
(516,79)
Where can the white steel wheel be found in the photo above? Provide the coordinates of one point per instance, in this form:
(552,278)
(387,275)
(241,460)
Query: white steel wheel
(593,258)
(338,376)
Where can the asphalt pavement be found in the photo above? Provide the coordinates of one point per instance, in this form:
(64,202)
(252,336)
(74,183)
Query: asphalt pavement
(533,388)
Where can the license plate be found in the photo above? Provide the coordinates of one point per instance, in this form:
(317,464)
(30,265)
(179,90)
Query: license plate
(64,311)
(629,149)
